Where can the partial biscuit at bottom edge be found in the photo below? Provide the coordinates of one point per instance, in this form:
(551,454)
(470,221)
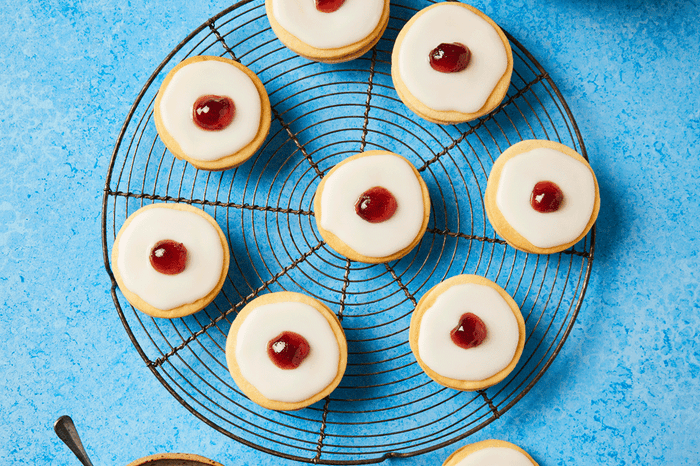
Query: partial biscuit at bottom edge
(467,450)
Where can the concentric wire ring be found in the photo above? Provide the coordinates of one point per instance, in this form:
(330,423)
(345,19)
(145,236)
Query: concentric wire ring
(385,406)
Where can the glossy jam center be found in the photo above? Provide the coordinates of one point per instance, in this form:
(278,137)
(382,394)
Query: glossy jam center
(470,332)
(328,6)
(168,257)
(546,197)
(376,205)
(450,58)
(213,112)
(288,350)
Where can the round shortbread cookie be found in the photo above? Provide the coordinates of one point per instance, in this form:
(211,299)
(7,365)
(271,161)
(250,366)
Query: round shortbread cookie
(343,35)
(257,375)
(178,295)
(450,98)
(174,459)
(490,453)
(438,313)
(346,232)
(510,185)
(218,149)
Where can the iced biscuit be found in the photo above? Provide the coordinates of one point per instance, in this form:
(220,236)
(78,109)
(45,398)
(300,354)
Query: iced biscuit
(212,112)
(541,197)
(451,63)
(372,207)
(467,333)
(286,351)
(490,453)
(329,31)
(170,260)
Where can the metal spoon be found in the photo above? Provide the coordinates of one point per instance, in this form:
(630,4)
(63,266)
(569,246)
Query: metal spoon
(65,429)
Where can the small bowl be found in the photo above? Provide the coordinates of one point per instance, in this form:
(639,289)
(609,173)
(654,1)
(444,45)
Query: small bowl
(174,459)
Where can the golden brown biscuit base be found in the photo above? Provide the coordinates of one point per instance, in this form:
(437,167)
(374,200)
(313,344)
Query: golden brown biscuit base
(335,55)
(449,117)
(174,459)
(501,225)
(339,245)
(248,389)
(236,158)
(463,452)
(185,309)
(427,301)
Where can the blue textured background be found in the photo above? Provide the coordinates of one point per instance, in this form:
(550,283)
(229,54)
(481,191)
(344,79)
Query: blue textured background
(624,390)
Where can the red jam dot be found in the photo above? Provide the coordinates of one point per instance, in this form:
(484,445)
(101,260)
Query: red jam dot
(169,257)
(470,332)
(546,197)
(328,6)
(450,58)
(213,112)
(376,205)
(288,350)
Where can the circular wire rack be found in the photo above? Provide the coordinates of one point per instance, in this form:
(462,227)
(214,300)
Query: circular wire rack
(385,405)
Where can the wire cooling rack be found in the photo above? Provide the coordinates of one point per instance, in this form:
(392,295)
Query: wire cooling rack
(385,405)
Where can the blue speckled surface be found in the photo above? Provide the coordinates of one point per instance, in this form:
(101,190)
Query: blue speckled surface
(624,389)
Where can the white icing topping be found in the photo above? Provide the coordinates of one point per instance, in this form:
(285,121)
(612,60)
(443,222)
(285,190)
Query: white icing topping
(467,90)
(344,186)
(496,456)
(436,348)
(351,23)
(317,370)
(210,77)
(519,176)
(205,257)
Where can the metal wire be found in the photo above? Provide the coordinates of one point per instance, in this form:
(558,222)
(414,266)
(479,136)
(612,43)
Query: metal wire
(385,406)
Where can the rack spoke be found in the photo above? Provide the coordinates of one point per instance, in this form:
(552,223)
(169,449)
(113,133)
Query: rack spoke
(483,121)
(233,205)
(369,99)
(212,25)
(295,139)
(237,307)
